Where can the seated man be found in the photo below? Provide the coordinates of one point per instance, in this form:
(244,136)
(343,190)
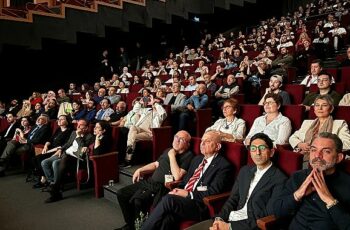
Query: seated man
(9,132)
(175,99)
(138,197)
(105,112)
(254,191)
(39,134)
(185,114)
(209,174)
(150,117)
(324,87)
(318,198)
(77,144)
(275,84)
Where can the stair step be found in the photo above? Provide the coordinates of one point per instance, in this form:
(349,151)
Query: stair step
(125,179)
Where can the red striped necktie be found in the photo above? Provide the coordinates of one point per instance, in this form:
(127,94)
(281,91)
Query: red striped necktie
(190,184)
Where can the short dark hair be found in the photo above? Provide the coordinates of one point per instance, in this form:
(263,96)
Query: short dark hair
(338,143)
(319,61)
(263,137)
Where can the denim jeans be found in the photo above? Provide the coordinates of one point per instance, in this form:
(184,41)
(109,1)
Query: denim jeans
(50,168)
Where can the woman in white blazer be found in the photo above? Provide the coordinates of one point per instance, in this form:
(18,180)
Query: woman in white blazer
(323,107)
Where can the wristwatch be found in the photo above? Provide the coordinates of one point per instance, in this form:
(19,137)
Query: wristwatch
(328,206)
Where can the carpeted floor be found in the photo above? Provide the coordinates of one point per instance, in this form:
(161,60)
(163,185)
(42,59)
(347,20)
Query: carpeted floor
(22,207)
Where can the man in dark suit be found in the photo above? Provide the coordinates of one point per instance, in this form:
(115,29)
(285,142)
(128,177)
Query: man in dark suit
(39,134)
(8,133)
(139,196)
(77,144)
(254,191)
(318,197)
(209,174)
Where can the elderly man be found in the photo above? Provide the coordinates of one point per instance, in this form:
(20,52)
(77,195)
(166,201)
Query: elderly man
(275,84)
(318,198)
(254,191)
(105,112)
(324,82)
(113,96)
(209,174)
(172,164)
(176,98)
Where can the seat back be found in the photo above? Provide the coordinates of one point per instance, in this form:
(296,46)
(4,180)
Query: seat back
(296,92)
(249,113)
(345,76)
(203,120)
(236,154)
(295,113)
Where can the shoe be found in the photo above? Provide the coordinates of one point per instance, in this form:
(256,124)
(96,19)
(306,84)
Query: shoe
(40,185)
(54,198)
(126,165)
(125,227)
(122,164)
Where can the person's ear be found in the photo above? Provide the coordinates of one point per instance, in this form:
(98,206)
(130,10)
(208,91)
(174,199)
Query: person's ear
(340,157)
(218,146)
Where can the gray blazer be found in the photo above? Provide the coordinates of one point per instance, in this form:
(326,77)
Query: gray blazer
(179,101)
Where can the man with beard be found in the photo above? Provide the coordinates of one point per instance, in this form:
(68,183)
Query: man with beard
(275,84)
(318,198)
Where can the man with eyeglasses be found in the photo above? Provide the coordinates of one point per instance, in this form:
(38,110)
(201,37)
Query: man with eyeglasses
(254,191)
(171,165)
(324,82)
(209,173)
(318,197)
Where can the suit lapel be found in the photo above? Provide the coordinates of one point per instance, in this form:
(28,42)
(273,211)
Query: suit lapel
(265,179)
(246,184)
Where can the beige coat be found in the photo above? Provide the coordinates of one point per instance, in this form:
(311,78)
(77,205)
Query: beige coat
(340,128)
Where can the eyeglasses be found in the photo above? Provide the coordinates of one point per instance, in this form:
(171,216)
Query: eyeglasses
(254,148)
(269,102)
(180,139)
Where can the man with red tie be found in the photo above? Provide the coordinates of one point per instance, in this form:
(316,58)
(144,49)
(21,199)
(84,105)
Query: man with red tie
(209,174)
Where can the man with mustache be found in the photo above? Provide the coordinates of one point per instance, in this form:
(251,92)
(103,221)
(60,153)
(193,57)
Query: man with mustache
(319,197)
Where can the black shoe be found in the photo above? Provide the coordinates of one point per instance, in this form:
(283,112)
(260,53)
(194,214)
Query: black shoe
(2,173)
(126,165)
(40,185)
(122,164)
(54,198)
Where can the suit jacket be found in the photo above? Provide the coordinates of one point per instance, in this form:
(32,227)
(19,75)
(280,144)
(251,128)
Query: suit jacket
(340,128)
(179,101)
(11,132)
(40,136)
(84,141)
(261,200)
(217,177)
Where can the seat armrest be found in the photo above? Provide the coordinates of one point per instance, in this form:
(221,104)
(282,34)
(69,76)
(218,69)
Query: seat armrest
(173,184)
(215,202)
(208,200)
(96,157)
(266,222)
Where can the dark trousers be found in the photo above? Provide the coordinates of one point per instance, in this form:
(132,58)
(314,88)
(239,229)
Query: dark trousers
(172,210)
(138,197)
(65,163)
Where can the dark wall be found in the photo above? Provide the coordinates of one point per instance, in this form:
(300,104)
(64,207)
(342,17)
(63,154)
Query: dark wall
(57,63)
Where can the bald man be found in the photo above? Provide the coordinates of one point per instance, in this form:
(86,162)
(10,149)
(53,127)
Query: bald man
(209,174)
(172,164)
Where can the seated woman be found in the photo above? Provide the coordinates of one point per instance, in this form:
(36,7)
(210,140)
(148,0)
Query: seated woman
(273,123)
(103,141)
(323,107)
(58,139)
(231,128)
